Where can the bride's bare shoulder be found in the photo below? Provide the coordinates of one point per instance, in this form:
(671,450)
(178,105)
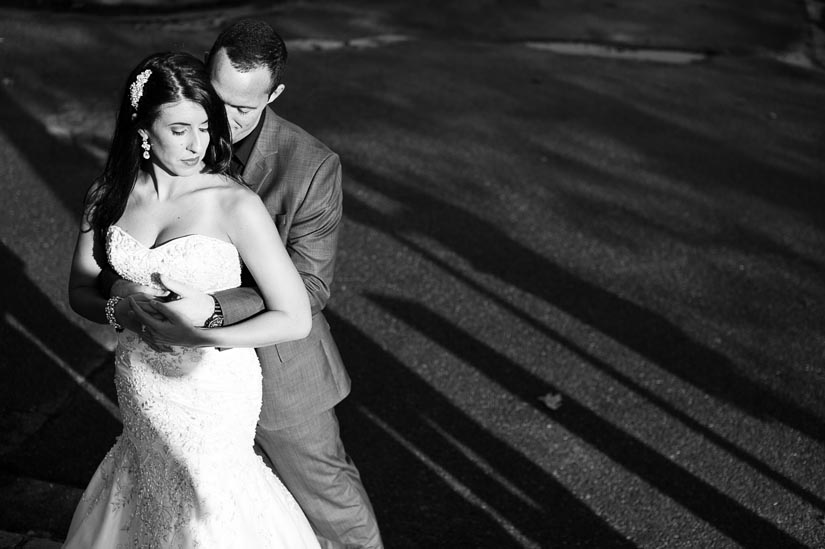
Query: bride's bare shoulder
(232,195)
(223,187)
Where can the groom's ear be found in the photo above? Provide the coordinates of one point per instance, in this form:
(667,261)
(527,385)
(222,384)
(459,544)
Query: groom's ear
(274,95)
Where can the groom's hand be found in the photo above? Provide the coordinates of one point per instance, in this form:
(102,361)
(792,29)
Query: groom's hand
(188,301)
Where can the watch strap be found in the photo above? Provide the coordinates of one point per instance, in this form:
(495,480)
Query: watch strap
(216,320)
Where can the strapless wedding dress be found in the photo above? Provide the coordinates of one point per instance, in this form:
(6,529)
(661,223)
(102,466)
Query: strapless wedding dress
(183,473)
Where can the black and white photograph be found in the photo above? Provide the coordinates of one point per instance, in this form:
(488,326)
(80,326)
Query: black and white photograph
(459,274)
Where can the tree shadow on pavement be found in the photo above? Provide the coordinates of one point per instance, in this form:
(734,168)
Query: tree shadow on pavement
(696,495)
(52,429)
(428,505)
(68,169)
(58,380)
(627,381)
(689,152)
(649,334)
(64,166)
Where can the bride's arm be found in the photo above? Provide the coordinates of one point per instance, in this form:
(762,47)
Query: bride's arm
(286,314)
(84,296)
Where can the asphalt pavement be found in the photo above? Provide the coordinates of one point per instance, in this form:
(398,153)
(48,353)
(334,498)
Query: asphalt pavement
(580,287)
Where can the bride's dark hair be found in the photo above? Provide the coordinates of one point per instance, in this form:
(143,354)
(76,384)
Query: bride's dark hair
(175,76)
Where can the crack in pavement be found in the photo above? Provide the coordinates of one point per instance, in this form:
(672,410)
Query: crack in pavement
(323,44)
(590,49)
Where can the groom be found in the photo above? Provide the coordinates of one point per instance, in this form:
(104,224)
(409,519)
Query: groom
(299,180)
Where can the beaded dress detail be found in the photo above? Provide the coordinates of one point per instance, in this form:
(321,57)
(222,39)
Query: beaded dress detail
(183,474)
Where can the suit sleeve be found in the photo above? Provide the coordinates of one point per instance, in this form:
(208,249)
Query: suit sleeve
(313,238)
(238,304)
(312,243)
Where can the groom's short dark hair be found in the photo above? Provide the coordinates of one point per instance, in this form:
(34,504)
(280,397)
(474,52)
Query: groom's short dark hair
(251,44)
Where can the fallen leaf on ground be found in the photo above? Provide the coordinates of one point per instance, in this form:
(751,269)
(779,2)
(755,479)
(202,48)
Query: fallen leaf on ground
(552,400)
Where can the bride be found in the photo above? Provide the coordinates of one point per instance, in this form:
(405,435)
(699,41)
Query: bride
(183,473)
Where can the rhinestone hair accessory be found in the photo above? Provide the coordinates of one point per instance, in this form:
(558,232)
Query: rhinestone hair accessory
(136,89)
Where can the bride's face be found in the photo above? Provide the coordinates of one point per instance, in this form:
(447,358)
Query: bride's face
(179,137)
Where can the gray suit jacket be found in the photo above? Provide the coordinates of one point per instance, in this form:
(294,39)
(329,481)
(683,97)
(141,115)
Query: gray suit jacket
(299,180)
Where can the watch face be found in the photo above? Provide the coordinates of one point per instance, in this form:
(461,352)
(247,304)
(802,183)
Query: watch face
(215,322)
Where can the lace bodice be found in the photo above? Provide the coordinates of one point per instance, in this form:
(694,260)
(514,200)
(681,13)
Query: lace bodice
(218,263)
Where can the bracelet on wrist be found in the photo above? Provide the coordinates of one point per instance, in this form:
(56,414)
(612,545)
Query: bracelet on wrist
(111,303)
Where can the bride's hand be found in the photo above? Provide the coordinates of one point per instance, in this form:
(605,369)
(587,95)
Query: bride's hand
(163,326)
(125,314)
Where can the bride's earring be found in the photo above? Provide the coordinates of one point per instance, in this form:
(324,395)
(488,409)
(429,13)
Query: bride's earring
(146,146)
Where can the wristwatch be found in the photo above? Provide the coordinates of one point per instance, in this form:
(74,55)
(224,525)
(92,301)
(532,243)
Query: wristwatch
(216,320)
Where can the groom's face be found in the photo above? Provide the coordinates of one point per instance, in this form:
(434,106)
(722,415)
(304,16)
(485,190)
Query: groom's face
(245,94)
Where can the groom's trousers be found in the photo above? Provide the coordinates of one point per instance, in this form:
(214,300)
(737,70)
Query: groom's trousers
(310,460)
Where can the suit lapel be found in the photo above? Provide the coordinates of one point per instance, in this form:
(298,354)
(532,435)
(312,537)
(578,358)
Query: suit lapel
(256,172)
(264,157)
